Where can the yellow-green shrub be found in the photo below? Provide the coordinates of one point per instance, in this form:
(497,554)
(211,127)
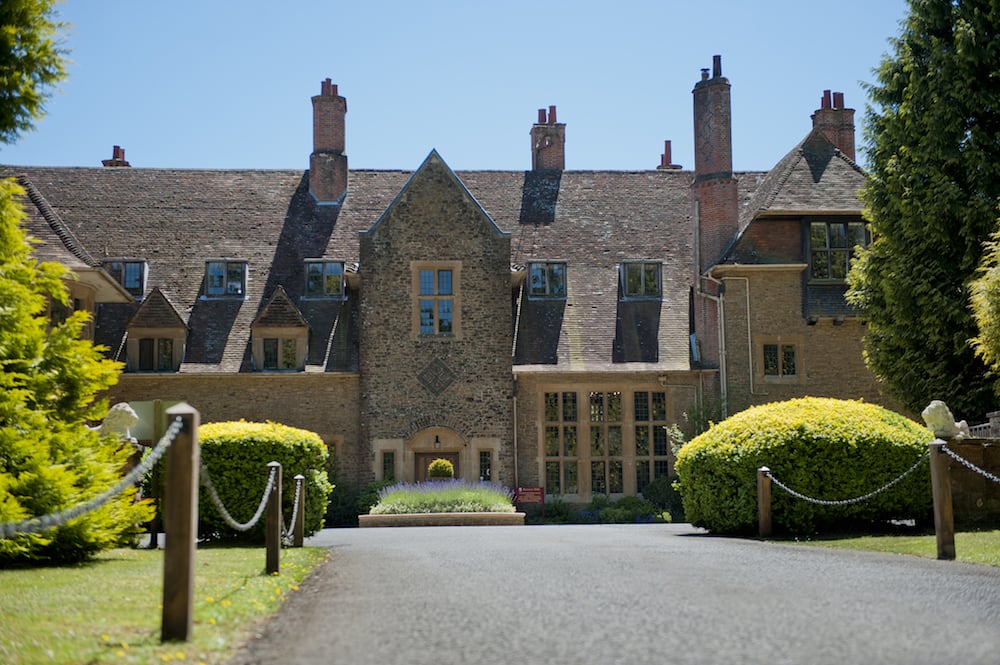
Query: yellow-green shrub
(440,468)
(823,448)
(237,454)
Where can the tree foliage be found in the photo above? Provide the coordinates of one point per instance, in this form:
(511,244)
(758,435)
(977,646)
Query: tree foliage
(933,144)
(49,378)
(985,299)
(31,62)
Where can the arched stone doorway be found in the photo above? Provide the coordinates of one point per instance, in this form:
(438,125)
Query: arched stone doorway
(433,443)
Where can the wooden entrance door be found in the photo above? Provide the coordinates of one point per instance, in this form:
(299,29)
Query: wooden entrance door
(423,460)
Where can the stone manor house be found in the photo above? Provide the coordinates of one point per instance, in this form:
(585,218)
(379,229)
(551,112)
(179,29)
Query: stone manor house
(537,328)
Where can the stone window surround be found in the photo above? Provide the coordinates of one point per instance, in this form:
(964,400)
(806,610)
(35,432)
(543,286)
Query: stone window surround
(584,425)
(795,342)
(299,334)
(456,297)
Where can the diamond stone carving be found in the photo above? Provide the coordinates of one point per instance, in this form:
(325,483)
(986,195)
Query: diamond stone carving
(436,377)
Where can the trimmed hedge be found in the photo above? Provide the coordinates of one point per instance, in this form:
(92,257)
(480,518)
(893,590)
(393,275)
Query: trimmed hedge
(237,454)
(823,448)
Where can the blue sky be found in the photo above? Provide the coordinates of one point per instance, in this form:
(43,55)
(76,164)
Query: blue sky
(227,84)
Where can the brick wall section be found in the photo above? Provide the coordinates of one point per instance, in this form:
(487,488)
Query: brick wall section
(434,219)
(829,358)
(324,403)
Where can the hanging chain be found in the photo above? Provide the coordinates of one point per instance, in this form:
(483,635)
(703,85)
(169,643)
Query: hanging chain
(844,502)
(206,480)
(45,522)
(287,530)
(982,472)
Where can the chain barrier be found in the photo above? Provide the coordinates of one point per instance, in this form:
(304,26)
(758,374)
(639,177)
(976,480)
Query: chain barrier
(46,522)
(845,502)
(206,480)
(982,472)
(288,531)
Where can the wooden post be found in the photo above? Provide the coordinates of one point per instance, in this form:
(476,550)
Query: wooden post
(272,526)
(180,523)
(156,524)
(763,502)
(299,528)
(944,516)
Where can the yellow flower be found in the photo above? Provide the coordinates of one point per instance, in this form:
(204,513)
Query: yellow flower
(209,599)
(105,637)
(225,603)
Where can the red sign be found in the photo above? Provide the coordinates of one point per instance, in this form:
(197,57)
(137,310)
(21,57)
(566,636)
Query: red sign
(530,495)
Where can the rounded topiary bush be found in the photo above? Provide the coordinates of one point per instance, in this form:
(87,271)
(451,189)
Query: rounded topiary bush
(440,468)
(823,448)
(237,454)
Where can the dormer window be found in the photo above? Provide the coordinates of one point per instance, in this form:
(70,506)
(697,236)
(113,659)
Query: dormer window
(831,247)
(131,274)
(547,280)
(225,279)
(324,279)
(641,279)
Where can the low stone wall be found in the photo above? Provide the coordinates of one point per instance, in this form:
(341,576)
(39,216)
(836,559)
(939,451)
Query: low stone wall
(443,519)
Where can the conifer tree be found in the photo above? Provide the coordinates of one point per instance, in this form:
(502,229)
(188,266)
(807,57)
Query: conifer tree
(933,145)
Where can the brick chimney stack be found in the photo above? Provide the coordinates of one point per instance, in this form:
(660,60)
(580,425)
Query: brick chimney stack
(666,161)
(836,122)
(117,157)
(328,163)
(714,191)
(548,142)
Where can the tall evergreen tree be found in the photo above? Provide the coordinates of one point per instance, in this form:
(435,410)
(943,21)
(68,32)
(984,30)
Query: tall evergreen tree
(933,144)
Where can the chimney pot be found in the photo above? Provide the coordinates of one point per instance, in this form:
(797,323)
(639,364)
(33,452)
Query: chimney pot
(541,116)
(716,66)
(825,102)
(704,73)
(552,115)
(838,100)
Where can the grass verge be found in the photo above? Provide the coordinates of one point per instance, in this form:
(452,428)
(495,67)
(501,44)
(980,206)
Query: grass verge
(981,547)
(108,610)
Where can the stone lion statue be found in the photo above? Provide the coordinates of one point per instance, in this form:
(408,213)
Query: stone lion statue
(120,418)
(939,420)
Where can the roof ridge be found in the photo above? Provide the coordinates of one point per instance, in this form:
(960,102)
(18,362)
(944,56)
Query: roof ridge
(55,222)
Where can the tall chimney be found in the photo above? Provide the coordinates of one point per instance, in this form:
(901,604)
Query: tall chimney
(328,163)
(117,157)
(548,142)
(836,122)
(666,162)
(714,190)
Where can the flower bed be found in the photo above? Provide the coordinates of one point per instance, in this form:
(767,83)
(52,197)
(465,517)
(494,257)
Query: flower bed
(443,503)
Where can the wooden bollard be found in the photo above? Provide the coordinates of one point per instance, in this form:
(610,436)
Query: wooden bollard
(272,526)
(763,502)
(299,528)
(180,524)
(944,515)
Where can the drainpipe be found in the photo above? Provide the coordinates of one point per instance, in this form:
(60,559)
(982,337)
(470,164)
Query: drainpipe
(746,285)
(514,399)
(720,303)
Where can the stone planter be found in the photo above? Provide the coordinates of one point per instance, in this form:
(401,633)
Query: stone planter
(443,519)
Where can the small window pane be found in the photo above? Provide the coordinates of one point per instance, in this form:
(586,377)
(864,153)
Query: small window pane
(641,406)
(659,406)
(552,484)
(633,279)
(146,347)
(234,286)
(270,353)
(334,281)
(642,441)
(426,282)
(537,282)
(771,360)
(858,236)
(787,360)
(598,444)
(661,469)
(165,354)
(598,478)
(569,441)
(444,316)
(820,267)
(641,475)
(485,465)
(389,465)
(133,278)
(614,441)
(444,283)
(552,407)
(569,407)
(557,279)
(314,279)
(615,477)
(216,280)
(427,317)
(838,235)
(571,475)
(817,235)
(552,441)
(288,353)
(614,407)
(660,447)
(651,279)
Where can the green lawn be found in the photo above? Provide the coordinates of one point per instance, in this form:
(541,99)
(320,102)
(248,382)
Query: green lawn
(109,610)
(970,546)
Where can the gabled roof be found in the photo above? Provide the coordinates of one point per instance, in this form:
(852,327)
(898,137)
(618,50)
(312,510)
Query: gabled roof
(813,177)
(280,312)
(156,312)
